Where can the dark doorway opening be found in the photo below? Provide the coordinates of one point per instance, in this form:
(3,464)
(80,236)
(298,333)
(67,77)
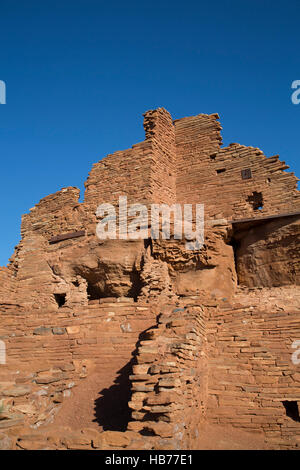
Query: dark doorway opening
(111,407)
(94,293)
(136,285)
(60,299)
(292,410)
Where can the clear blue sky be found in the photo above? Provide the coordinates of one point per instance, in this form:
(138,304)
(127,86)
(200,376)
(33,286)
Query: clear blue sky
(80,73)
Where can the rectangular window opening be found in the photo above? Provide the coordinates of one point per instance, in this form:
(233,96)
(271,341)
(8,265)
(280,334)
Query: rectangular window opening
(246,174)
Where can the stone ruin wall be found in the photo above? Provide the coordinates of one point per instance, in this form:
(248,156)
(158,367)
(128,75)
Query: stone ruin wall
(200,350)
(49,354)
(169,381)
(149,166)
(253,384)
(213,175)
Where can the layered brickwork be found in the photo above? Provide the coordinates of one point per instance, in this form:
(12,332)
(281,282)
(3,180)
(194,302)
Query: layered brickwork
(48,355)
(169,385)
(7,285)
(197,138)
(216,180)
(76,309)
(108,178)
(268,180)
(149,166)
(176,163)
(252,378)
(181,162)
(160,132)
(57,213)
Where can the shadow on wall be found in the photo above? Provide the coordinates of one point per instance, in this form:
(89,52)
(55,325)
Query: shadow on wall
(111,408)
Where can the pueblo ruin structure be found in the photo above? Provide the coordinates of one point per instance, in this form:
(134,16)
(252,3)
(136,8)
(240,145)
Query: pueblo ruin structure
(142,344)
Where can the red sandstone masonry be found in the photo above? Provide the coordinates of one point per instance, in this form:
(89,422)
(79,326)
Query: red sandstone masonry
(169,380)
(206,172)
(150,167)
(52,347)
(53,352)
(251,370)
